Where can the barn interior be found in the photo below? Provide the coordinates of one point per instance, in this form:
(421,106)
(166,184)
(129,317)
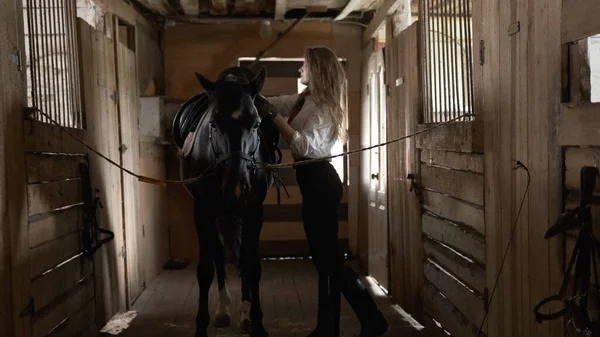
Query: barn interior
(488,111)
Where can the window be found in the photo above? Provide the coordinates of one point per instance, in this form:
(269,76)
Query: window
(448,69)
(52,65)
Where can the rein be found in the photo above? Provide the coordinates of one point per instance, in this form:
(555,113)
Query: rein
(208,172)
(584,254)
(251,158)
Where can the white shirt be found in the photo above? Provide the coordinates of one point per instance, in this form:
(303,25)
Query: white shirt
(314,129)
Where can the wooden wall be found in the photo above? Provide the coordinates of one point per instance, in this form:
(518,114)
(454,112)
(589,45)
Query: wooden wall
(99,83)
(406,248)
(40,229)
(437,229)
(209,49)
(519,92)
(361,232)
(578,116)
(14,246)
(153,215)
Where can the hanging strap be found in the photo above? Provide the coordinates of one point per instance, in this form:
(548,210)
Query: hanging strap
(91,232)
(580,217)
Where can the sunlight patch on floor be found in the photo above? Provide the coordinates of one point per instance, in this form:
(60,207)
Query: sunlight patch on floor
(119,322)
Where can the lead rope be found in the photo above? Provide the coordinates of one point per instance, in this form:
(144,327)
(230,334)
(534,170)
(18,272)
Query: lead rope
(347,153)
(207,173)
(162,182)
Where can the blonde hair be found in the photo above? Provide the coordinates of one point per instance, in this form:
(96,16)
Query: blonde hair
(327,86)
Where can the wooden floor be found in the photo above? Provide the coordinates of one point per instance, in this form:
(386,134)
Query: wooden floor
(288,292)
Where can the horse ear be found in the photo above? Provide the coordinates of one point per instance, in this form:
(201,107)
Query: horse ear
(206,83)
(257,82)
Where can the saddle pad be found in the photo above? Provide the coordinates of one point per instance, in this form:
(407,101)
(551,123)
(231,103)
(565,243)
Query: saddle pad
(188,116)
(187,145)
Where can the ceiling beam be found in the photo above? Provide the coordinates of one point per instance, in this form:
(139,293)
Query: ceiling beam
(351,6)
(387,8)
(218,7)
(161,7)
(280,9)
(190,7)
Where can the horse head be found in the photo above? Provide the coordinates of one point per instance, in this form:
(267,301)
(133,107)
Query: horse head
(234,129)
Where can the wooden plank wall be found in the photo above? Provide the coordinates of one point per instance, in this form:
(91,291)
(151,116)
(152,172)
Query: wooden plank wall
(153,218)
(65,296)
(443,239)
(406,248)
(361,245)
(99,83)
(43,169)
(454,239)
(520,98)
(14,243)
(183,57)
(62,281)
(130,141)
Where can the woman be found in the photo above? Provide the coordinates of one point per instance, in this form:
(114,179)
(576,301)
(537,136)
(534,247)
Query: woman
(316,119)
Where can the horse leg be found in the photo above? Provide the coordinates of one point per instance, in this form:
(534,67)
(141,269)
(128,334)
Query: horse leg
(222,315)
(252,269)
(205,228)
(245,321)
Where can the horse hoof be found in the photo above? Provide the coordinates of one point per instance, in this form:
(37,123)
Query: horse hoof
(222,321)
(246,326)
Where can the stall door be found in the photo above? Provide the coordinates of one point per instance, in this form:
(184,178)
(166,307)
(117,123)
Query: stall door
(378,221)
(128,100)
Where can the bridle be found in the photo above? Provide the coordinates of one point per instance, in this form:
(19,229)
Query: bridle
(587,248)
(251,158)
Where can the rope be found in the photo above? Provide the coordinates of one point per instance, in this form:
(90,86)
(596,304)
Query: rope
(512,235)
(206,173)
(310,161)
(279,37)
(145,179)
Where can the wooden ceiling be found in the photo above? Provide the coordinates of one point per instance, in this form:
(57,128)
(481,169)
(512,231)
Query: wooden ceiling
(360,11)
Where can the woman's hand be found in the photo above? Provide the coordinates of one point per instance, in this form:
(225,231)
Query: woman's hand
(287,132)
(264,108)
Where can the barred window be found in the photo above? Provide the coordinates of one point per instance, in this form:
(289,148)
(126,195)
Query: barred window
(447,71)
(52,65)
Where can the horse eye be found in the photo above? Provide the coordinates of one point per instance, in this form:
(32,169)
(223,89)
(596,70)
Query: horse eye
(256,125)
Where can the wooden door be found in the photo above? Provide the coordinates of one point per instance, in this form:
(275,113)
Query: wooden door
(128,101)
(378,221)
(14,245)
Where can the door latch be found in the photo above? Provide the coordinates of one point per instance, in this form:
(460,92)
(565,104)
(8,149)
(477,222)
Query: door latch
(414,186)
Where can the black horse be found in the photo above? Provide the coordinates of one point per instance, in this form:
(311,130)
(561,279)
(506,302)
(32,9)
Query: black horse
(223,138)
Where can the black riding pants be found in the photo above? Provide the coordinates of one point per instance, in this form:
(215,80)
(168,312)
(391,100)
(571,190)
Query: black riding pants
(322,191)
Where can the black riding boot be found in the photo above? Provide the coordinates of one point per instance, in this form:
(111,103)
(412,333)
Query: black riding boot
(372,321)
(328,311)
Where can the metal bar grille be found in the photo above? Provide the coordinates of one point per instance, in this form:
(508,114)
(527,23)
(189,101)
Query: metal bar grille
(448,63)
(52,63)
